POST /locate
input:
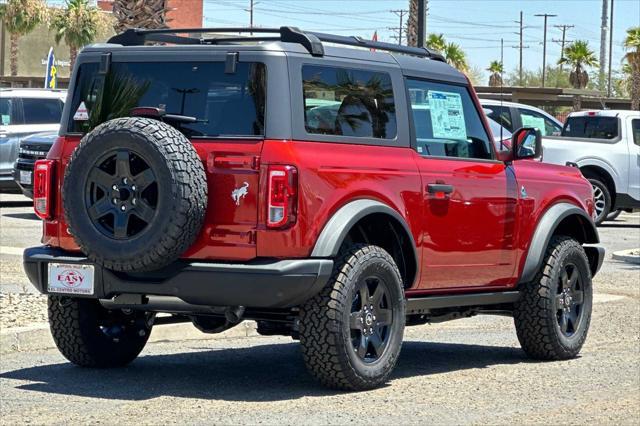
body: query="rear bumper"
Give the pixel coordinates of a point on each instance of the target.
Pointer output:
(263, 283)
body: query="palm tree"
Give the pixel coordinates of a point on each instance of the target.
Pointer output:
(632, 45)
(496, 69)
(140, 14)
(436, 42)
(412, 24)
(579, 56)
(455, 56)
(77, 24)
(20, 18)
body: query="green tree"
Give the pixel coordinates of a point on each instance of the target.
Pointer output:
(455, 56)
(20, 18)
(496, 69)
(436, 42)
(78, 24)
(632, 58)
(579, 56)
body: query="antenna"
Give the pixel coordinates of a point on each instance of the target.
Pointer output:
(501, 89)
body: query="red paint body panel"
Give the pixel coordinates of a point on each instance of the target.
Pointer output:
(474, 239)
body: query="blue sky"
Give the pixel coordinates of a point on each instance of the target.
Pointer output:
(477, 25)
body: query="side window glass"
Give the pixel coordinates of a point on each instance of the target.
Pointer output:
(540, 122)
(41, 111)
(348, 102)
(446, 121)
(635, 128)
(501, 115)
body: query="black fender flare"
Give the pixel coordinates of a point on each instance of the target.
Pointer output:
(549, 222)
(338, 226)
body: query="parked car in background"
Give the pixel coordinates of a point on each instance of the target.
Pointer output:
(24, 112)
(31, 149)
(605, 145)
(513, 115)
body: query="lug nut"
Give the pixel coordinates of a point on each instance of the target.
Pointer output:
(115, 201)
(124, 180)
(133, 201)
(123, 208)
(114, 187)
(133, 187)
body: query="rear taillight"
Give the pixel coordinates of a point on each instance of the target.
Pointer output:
(282, 197)
(42, 183)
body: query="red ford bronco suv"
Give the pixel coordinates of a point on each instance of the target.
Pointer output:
(332, 194)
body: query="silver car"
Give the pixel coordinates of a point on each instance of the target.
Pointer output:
(24, 112)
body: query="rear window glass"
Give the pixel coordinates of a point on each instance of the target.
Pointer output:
(591, 127)
(224, 104)
(41, 111)
(348, 102)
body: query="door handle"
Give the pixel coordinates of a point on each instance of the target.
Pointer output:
(435, 188)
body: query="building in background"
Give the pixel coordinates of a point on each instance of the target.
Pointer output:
(32, 65)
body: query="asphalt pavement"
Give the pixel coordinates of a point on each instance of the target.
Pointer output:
(464, 371)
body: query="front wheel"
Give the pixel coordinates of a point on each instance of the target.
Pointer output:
(601, 199)
(553, 315)
(351, 332)
(89, 335)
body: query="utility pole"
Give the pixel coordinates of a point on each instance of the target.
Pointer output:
(544, 45)
(610, 51)
(422, 22)
(603, 44)
(250, 10)
(400, 13)
(520, 46)
(562, 41)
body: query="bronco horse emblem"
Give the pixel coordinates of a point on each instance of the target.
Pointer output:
(239, 193)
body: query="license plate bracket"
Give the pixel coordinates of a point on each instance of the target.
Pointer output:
(69, 278)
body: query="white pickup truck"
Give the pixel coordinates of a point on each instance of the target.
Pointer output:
(605, 145)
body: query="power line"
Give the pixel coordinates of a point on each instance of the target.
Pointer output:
(520, 46)
(400, 13)
(544, 45)
(562, 41)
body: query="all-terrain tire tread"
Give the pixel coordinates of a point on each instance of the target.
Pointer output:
(535, 328)
(320, 319)
(189, 188)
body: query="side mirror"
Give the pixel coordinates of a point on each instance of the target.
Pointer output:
(526, 142)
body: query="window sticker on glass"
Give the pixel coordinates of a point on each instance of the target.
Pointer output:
(447, 115)
(535, 122)
(5, 119)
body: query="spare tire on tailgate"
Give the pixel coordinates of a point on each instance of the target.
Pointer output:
(134, 194)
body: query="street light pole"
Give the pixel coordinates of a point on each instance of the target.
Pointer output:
(544, 45)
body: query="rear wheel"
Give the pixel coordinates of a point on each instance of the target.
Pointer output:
(91, 336)
(351, 333)
(553, 315)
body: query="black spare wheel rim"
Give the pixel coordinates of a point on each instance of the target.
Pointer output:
(134, 194)
(370, 319)
(121, 194)
(569, 300)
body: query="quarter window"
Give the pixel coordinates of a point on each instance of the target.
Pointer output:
(635, 128)
(446, 121)
(534, 119)
(348, 102)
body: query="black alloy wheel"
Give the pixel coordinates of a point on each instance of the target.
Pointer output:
(370, 319)
(569, 300)
(121, 194)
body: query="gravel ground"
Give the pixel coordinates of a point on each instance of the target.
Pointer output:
(20, 309)
(466, 371)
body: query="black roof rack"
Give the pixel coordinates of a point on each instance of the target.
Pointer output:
(311, 41)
